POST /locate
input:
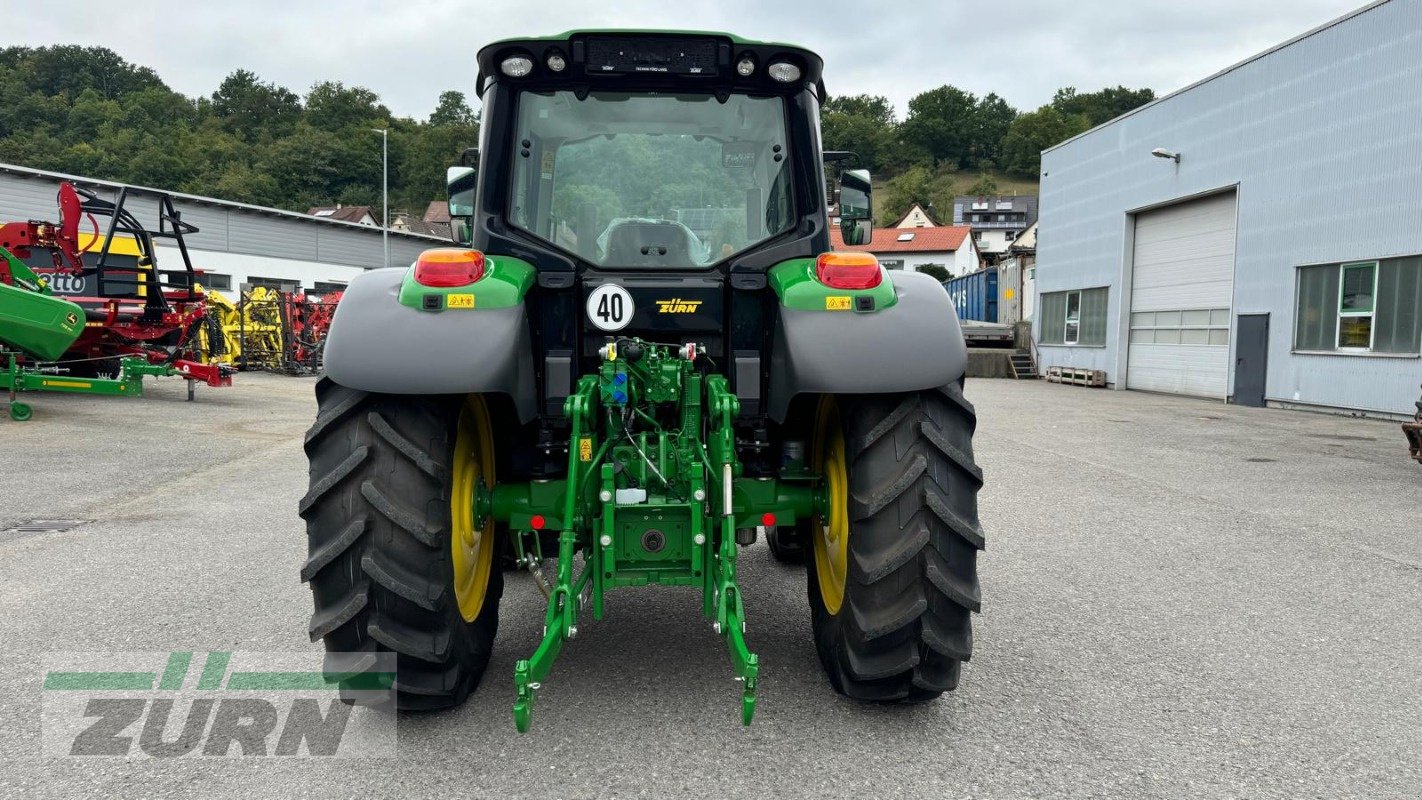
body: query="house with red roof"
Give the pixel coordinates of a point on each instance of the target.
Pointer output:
(950, 246)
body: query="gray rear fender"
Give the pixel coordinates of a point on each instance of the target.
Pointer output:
(378, 345)
(912, 345)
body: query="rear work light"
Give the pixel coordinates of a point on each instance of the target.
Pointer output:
(849, 270)
(443, 267)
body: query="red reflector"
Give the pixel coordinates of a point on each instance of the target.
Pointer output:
(443, 267)
(767, 519)
(537, 522)
(849, 270)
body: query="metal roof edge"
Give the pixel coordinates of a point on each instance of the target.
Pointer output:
(1231, 68)
(213, 201)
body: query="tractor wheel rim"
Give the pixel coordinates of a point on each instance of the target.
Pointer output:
(831, 527)
(471, 548)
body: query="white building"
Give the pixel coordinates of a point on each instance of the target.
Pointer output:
(1255, 237)
(949, 246)
(996, 220)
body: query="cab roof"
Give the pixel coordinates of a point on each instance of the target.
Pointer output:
(641, 59)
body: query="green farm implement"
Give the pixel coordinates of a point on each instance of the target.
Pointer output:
(643, 359)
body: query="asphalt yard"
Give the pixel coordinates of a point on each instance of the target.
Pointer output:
(1180, 599)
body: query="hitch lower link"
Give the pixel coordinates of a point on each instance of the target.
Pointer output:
(570, 595)
(676, 527)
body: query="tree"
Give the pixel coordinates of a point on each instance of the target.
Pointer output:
(255, 110)
(939, 272)
(1103, 106)
(991, 118)
(862, 124)
(921, 185)
(67, 70)
(452, 110)
(939, 125)
(331, 106)
(1034, 132)
(985, 186)
(871, 106)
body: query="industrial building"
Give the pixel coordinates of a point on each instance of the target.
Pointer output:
(1255, 237)
(236, 244)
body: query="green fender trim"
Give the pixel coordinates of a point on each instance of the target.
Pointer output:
(506, 280)
(796, 285)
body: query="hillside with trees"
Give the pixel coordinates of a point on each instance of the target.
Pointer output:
(87, 111)
(953, 142)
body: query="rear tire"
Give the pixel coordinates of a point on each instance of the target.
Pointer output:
(903, 625)
(380, 564)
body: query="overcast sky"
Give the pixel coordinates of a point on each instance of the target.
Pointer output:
(410, 51)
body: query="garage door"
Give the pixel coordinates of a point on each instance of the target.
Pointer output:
(1182, 283)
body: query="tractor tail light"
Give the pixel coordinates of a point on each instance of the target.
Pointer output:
(443, 267)
(849, 270)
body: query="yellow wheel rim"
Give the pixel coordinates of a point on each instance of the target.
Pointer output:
(831, 530)
(472, 551)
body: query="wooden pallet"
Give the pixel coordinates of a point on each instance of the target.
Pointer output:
(1076, 376)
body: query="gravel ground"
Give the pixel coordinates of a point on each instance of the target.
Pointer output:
(1181, 599)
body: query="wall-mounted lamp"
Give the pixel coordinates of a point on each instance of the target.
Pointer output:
(1161, 152)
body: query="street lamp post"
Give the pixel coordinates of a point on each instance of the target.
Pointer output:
(384, 190)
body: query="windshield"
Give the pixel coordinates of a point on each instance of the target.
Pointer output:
(674, 181)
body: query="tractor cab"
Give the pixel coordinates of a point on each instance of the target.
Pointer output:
(652, 180)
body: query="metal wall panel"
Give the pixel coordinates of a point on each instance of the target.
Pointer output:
(211, 224)
(1321, 138)
(252, 234)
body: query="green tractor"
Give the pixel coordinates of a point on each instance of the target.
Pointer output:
(644, 358)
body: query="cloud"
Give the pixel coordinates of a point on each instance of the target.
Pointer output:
(410, 51)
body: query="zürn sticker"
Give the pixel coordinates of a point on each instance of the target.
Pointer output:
(676, 305)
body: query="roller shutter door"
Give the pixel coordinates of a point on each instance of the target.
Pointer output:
(1182, 285)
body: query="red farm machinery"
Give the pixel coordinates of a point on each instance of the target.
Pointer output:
(91, 312)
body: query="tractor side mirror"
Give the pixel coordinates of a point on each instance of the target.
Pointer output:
(856, 207)
(461, 183)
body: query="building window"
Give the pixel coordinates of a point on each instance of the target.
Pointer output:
(891, 263)
(1201, 326)
(1360, 307)
(1358, 286)
(175, 280)
(280, 284)
(215, 280)
(1076, 317)
(329, 286)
